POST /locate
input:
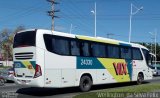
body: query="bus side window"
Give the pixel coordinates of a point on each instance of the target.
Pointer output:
(48, 40)
(60, 46)
(98, 50)
(84, 49)
(137, 55)
(75, 50)
(125, 52)
(113, 51)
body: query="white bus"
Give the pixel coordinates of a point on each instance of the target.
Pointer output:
(43, 58)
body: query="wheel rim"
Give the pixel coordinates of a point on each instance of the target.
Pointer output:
(140, 79)
(86, 84)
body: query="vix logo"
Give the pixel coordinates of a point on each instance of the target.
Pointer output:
(120, 68)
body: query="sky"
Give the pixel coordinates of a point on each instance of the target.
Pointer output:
(112, 17)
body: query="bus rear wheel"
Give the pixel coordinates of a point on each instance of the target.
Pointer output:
(140, 78)
(85, 83)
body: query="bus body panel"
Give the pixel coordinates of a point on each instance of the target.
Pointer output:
(103, 77)
(39, 38)
(65, 66)
(40, 61)
(136, 69)
(24, 67)
(68, 77)
(54, 61)
(106, 69)
(52, 78)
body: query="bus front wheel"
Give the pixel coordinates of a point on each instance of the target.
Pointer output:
(85, 83)
(140, 78)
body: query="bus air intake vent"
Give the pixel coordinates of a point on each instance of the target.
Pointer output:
(24, 55)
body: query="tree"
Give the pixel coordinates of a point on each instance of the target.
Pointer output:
(19, 28)
(4, 43)
(7, 42)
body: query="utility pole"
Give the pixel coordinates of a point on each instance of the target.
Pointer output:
(155, 34)
(52, 12)
(152, 44)
(95, 19)
(130, 19)
(155, 41)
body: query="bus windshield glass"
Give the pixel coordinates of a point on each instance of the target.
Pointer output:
(24, 39)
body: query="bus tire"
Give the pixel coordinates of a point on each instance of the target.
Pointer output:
(140, 78)
(85, 83)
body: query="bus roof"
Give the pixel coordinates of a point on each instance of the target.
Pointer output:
(89, 38)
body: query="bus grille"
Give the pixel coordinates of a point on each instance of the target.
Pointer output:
(24, 55)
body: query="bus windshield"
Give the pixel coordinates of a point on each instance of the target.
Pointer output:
(24, 39)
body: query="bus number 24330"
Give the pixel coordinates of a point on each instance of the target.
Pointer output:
(86, 62)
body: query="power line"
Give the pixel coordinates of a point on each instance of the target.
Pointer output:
(72, 9)
(81, 24)
(20, 14)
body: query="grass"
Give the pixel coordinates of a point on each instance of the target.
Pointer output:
(123, 90)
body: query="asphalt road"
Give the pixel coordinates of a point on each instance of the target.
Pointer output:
(11, 90)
